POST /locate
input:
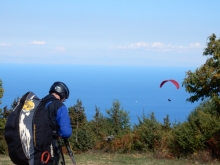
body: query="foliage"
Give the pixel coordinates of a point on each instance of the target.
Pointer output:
(101, 126)
(149, 132)
(119, 119)
(84, 141)
(166, 124)
(77, 117)
(1, 91)
(111, 131)
(204, 82)
(122, 144)
(3, 118)
(81, 138)
(185, 141)
(3, 146)
(193, 135)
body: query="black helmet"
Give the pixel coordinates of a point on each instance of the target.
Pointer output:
(61, 89)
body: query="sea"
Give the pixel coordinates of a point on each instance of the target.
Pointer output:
(137, 88)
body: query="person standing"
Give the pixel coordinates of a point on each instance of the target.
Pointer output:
(57, 116)
(35, 125)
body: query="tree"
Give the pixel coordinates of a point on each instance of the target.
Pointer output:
(3, 146)
(81, 138)
(199, 132)
(204, 82)
(149, 132)
(166, 123)
(1, 91)
(97, 121)
(77, 116)
(119, 118)
(100, 126)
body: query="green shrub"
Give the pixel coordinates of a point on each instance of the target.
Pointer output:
(149, 133)
(3, 145)
(192, 135)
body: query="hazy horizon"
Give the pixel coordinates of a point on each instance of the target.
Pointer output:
(112, 33)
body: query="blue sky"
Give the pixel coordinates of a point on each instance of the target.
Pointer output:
(107, 32)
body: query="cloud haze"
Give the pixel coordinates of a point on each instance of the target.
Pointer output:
(131, 33)
(4, 44)
(161, 47)
(38, 43)
(61, 49)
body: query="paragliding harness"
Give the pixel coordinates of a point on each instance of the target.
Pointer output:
(29, 136)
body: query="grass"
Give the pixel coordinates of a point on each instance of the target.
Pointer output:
(119, 159)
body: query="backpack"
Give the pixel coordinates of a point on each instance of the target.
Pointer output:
(28, 134)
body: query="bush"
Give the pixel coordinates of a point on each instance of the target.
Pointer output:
(3, 145)
(149, 133)
(82, 141)
(195, 134)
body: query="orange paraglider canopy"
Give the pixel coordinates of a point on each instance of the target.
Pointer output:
(173, 81)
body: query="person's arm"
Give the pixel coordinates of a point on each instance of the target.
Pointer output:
(63, 120)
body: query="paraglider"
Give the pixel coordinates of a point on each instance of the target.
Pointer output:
(173, 81)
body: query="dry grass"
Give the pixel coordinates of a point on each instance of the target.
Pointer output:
(120, 159)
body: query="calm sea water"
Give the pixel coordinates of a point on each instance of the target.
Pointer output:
(136, 88)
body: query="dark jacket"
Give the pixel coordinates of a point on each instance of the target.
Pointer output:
(58, 117)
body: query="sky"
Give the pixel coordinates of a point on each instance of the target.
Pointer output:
(107, 32)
